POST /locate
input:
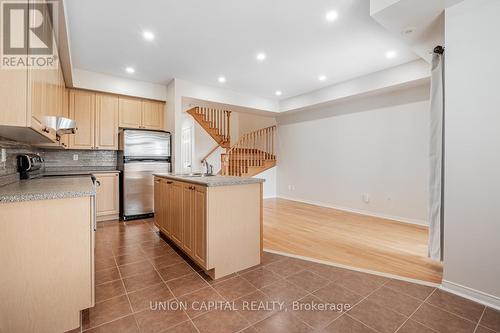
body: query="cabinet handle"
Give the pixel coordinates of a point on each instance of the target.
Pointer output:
(46, 130)
(169, 182)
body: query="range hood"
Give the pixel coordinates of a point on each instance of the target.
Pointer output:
(61, 125)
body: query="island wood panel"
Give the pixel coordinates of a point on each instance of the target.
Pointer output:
(47, 253)
(188, 219)
(199, 224)
(350, 239)
(233, 228)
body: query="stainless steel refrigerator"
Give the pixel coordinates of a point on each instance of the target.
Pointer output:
(141, 154)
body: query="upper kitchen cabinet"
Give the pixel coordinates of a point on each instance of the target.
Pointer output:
(82, 110)
(27, 95)
(130, 112)
(141, 113)
(152, 114)
(96, 115)
(106, 122)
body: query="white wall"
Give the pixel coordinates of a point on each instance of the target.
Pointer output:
(251, 122)
(269, 188)
(472, 150)
(118, 85)
(376, 145)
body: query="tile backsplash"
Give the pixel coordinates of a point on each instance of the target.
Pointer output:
(55, 160)
(8, 170)
(85, 159)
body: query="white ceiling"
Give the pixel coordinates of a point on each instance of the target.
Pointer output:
(199, 40)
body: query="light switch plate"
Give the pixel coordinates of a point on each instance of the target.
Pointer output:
(75, 157)
(3, 157)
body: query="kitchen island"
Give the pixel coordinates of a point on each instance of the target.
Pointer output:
(216, 220)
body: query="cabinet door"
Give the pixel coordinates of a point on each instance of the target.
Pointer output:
(65, 113)
(107, 199)
(176, 194)
(130, 112)
(199, 212)
(152, 115)
(166, 206)
(13, 92)
(82, 110)
(157, 203)
(187, 218)
(106, 122)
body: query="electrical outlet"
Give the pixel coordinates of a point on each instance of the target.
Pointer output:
(366, 197)
(75, 157)
(3, 157)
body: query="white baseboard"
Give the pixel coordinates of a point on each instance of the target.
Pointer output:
(471, 294)
(358, 211)
(270, 197)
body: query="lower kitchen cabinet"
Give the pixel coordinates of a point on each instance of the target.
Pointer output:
(47, 256)
(193, 222)
(107, 196)
(219, 228)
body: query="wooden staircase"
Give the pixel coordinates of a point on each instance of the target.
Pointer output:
(216, 122)
(252, 154)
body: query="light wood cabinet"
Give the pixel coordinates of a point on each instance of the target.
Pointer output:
(96, 116)
(28, 95)
(130, 112)
(106, 122)
(199, 230)
(107, 196)
(82, 110)
(152, 114)
(218, 227)
(175, 211)
(47, 268)
(188, 219)
(141, 114)
(162, 197)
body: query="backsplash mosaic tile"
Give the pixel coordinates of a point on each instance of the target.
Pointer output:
(55, 160)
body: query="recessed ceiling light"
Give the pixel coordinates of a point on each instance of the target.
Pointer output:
(390, 54)
(331, 16)
(278, 93)
(322, 77)
(148, 35)
(130, 70)
(221, 79)
(261, 56)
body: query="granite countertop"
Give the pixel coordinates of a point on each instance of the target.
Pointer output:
(212, 181)
(47, 189)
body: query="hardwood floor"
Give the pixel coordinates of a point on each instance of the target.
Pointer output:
(349, 239)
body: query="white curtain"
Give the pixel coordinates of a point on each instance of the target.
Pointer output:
(436, 159)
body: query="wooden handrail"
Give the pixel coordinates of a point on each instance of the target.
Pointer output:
(209, 153)
(215, 122)
(251, 150)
